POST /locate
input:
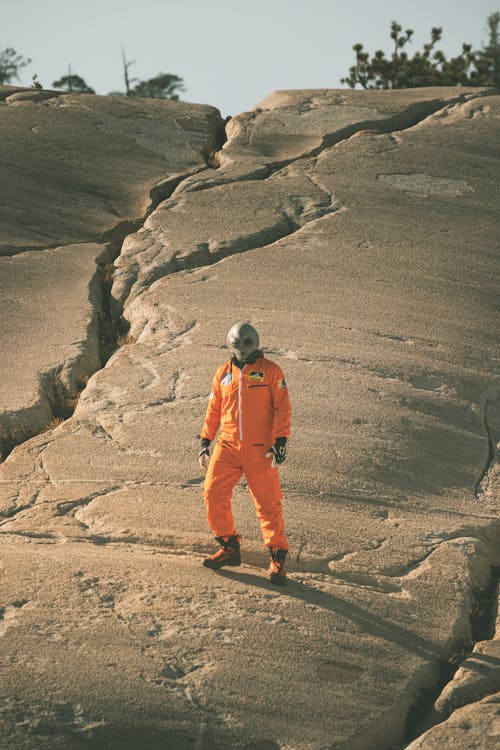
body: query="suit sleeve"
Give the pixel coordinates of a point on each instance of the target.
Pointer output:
(282, 407)
(212, 417)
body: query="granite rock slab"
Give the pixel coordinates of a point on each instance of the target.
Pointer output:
(366, 262)
(77, 171)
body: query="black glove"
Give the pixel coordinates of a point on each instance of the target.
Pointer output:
(278, 451)
(204, 452)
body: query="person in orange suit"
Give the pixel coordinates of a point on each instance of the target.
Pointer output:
(249, 403)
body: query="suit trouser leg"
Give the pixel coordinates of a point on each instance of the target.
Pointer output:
(223, 472)
(265, 489)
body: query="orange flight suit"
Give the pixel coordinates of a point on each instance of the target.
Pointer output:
(252, 408)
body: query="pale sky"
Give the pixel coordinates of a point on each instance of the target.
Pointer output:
(230, 53)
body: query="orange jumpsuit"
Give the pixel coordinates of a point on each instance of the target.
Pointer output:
(252, 408)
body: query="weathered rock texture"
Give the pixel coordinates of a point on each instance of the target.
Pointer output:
(478, 676)
(75, 169)
(358, 232)
(475, 727)
(75, 165)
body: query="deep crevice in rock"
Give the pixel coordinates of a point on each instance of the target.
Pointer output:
(110, 330)
(492, 431)
(422, 715)
(414, 115)
(202, 257)
(57, 400)
(405, 120)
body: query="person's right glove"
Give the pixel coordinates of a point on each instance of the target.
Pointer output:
(278, 451)
(204, 453)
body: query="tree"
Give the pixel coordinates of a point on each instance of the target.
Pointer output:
(162, 86)
(10, 64)
(72, 82)
(487, 60)
(427, 68)
(126, 66)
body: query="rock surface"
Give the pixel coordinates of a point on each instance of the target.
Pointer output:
(50, 345)
(477, 677)
(77, 170)
(75, 166)
(475, 727)
(358, 232)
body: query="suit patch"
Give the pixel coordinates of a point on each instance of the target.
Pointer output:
(227, 379)
(281, 383)
(254, 375)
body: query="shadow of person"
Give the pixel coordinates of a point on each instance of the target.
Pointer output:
(367, 621)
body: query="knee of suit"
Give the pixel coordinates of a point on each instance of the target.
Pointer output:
(218, 495)
(210, 495)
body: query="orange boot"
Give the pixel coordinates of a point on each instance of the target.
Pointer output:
(277, 565)
(228, 554)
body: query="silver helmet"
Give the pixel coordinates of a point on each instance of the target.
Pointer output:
(243, 341)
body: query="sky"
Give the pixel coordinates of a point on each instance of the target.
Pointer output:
(230, 53)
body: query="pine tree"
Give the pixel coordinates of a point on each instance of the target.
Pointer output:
(427, 68)
(487, 61)
(10, 64)
(162, 86)
(72, 82)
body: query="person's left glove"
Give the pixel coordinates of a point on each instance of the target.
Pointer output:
(278, 451)
(204, 453)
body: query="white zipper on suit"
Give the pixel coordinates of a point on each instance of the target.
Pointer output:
(240, 421)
